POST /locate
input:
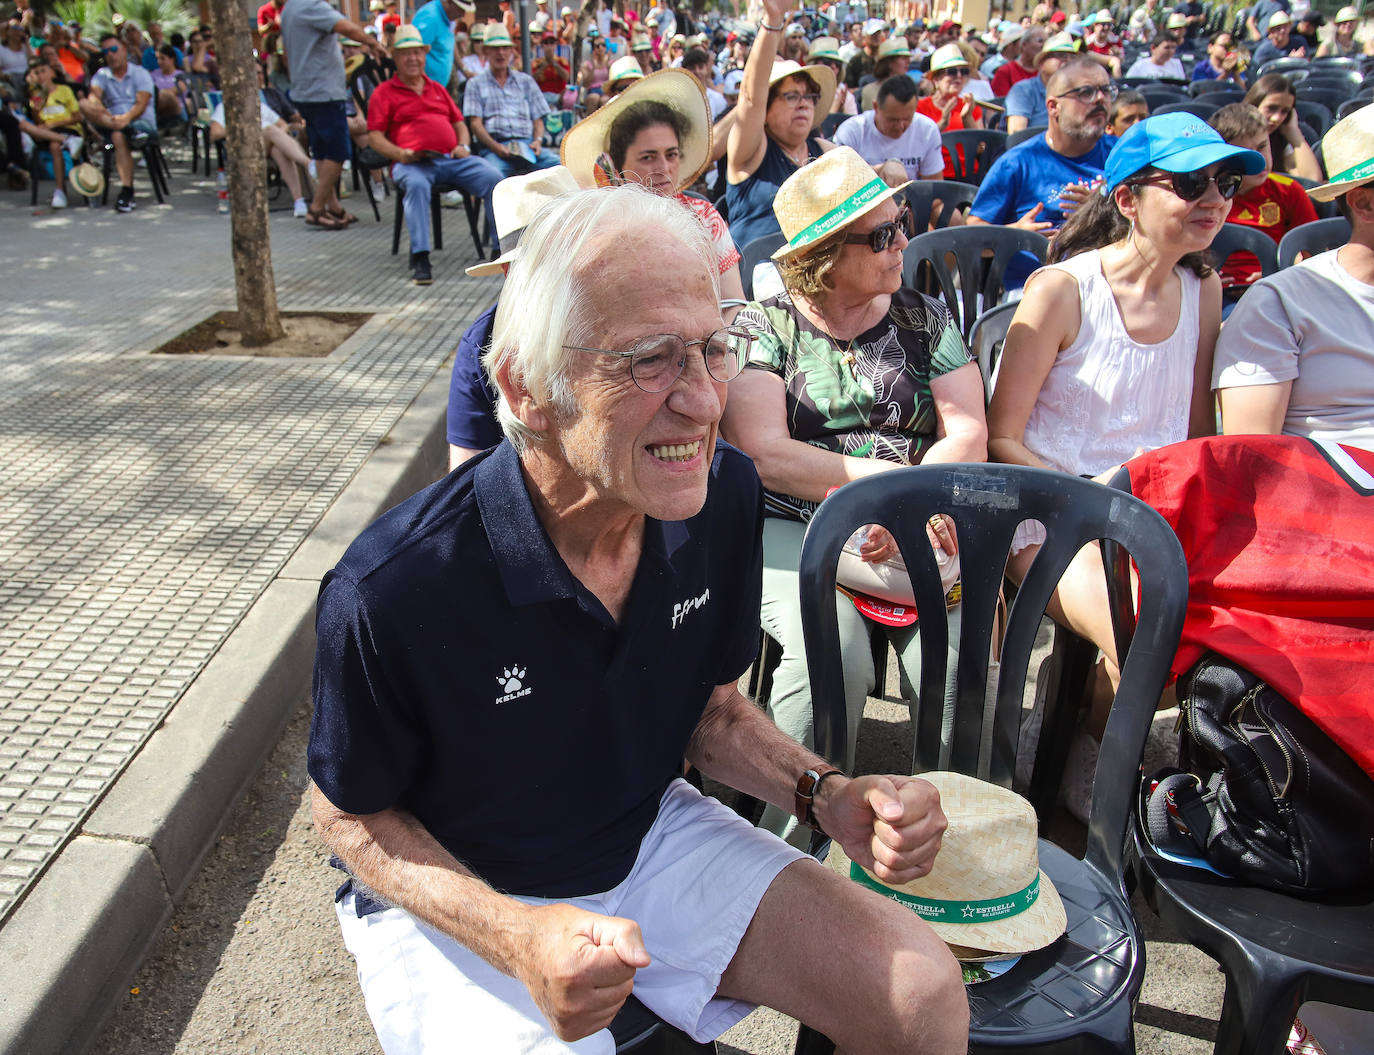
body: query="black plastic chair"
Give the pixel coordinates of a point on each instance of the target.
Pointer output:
(1289, 67)
(1203, 108)
(1017, 138)
(471, 207)
(1077, 994)
(1328, 95)
(1313, 238)
(154, 163)
(952, 194)
(981, 280)
(986, 338)
(1324, 209)
(1315, 114)
(756, 252)
(1220, 92)
(1351, 105)
(832, 122)
(1276, 951)
(972, 151)
(1337, 62)
(1158, 95)
(1238, 238)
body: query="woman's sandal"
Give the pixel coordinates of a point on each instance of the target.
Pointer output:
(324, 219)
(343, 216)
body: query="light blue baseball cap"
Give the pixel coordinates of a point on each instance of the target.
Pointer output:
(1177, 142)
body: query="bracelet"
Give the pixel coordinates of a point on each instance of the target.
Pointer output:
(775, 29)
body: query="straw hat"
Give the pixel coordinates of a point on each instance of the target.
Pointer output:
(1059, 44)
(87, 180)
(947, 57)
(1348, 150)
(1278, 18)
(1103, 17)
(408, 37)
(824, 77)
(1346, 14)
(893, 46)
(497, 37)
(1176, 21)
(515, 201)
(625, 68)
(478, 33)
(642, 43)
(824, 48)
(986, 891)
(830, 193)
(675, 88)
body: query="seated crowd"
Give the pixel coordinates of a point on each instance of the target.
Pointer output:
(587, 485)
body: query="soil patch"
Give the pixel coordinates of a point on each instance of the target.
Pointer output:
(309, 334)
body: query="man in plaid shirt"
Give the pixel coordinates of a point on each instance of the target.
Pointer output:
(505, 110)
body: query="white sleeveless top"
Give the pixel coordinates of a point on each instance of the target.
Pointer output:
(1107, 395)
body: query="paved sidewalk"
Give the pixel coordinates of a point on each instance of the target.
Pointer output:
(152, 632)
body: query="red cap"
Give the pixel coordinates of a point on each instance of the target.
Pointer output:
(1058, 16)
(949, 25)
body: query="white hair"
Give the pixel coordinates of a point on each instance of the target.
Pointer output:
(545, 303)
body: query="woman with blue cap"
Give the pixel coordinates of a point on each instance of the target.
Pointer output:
(1110, 351)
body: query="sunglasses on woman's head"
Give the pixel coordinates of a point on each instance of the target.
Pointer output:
(1191, 186)
(885, 234)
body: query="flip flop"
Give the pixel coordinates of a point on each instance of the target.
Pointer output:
(324, 220)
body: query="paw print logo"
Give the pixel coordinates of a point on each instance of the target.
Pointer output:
(509, 679)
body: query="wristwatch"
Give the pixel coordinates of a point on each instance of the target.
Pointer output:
(808, 784)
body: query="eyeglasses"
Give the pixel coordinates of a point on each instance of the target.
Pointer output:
(658, 360)
(885, 234)
(957, 71)
(793, 98)
(110, 51)
(1089, 92)
(1190, 186)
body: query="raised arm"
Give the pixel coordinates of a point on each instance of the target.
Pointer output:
(748, 140)
(1202, 413)
(579, 967)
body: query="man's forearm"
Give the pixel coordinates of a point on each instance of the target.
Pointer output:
(395, 857)
(738, 745)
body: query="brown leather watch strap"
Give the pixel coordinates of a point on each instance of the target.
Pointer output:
(808, 784)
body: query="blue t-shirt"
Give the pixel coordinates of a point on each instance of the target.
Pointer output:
(1204, 71)
(464, 675)
(1027, 99)
(1266, 52)
(471, 402)
(437, 31)
(1031, 172)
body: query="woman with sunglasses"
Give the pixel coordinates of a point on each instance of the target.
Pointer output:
(1110, 351)
(595, 72)
(951, 107)
(852, 374)
(781, 107)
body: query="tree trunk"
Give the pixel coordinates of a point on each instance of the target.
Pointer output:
(259, 319)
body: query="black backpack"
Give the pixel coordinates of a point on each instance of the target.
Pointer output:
(1265, 796)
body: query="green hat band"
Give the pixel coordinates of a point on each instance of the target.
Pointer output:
(838, 216)
(933, 910)
(1360, 171)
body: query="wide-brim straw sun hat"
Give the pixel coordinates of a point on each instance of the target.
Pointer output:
(87, 180)
(676, 89)
(948, 57)
(829, 193)
(514, 203)
(1346, 14)
(823, 76)
(986, 892)
(1348, 150)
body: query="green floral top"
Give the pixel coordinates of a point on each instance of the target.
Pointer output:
(878, 406)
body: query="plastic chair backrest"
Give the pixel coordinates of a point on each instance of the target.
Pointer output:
(972, 151)
(1221, 92)
(831, 123)
(987, 502)
(1017, 138)
(1203, 108)
(1286, 66)
(1238, 238)
(1318, 115)
(1324, 209)
(985, 341)
(1312, 238)
(1158, 95)
(952, 194)
(757, 252)
(1328, 95)
(980, 280)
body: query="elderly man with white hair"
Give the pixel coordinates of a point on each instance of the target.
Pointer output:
(513, 664)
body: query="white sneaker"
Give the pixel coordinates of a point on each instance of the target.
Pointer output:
(59, 200)
(73, 145)
(302, 208)
(451, 199)
(379, 189)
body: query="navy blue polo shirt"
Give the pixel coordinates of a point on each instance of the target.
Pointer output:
(471, 400)
(464, 675)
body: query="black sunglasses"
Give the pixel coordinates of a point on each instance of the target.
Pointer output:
(1190, 186)
(885, 234)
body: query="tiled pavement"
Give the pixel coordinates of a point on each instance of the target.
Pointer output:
(146, 502)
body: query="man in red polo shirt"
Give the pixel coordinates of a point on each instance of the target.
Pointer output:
(1023, 66)
(414, 122)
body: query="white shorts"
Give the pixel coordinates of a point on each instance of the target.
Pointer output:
(699, 877)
